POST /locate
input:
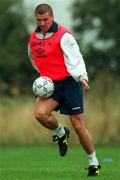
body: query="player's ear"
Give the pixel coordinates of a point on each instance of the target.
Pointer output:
(52, 17)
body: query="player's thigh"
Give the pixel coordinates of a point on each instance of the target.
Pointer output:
(45, 106)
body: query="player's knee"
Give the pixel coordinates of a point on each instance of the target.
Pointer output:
(77, 124)
(78, 127)
(40, 115)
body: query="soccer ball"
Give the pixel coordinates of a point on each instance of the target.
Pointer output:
(43, 87)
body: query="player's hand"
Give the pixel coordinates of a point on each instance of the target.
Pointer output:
(85, 84)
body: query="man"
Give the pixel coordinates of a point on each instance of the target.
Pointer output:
(54, 52)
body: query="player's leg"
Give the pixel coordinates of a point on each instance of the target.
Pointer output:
(43, 113)
(82, 132)
(87, 143)
(43, 110)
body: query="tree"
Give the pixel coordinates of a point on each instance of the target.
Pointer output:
(15, 69)
(97, 27)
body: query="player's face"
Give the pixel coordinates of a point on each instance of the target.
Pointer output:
(44, 21)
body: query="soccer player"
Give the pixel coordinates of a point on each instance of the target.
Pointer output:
(54, 52)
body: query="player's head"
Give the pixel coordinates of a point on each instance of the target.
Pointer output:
(44, 8)
(44, 16)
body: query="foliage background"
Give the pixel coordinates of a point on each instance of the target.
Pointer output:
(16, 73)
(98, 32)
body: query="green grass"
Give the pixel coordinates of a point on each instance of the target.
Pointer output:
(44, 163)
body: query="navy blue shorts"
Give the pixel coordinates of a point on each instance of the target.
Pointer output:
(69, 94)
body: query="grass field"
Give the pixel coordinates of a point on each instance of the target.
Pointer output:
(44, 163)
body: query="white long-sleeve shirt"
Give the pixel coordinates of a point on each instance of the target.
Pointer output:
(72, 57)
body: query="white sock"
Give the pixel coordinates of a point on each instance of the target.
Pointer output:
(93, 159)
(60, 131)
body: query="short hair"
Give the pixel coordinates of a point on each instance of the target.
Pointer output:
(43, 8)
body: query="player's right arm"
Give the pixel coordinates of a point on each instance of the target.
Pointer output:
(31, 58)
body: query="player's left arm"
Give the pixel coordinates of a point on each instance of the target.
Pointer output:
(85, 84)
(73, 59)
